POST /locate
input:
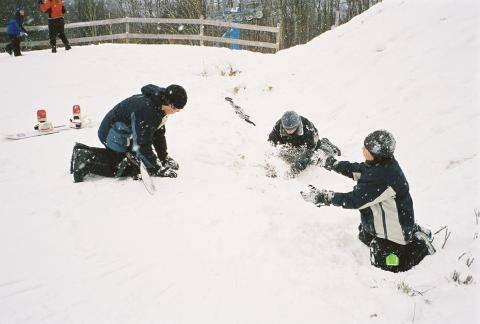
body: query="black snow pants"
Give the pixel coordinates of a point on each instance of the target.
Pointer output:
(393, 257)
(56, 27)
(100, 161)
(14, 45)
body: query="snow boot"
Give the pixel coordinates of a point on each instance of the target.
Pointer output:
(79, 165)
(425, 236)
(364, 237)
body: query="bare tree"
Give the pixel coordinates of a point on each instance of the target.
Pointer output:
(299, 20)
(89, 10)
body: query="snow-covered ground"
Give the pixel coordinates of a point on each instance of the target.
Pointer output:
(222, 243)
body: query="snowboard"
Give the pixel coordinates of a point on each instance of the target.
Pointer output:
(44, 127)
(239, 111)
(146, 179)
(34, 133)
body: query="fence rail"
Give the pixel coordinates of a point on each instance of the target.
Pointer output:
(127, 35)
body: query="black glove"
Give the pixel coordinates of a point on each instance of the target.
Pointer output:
(324, 160)
(170, 163)
(300, 165)
(320, 197)
(329, 148)
(337, 150)
(329, 163)
(165, 173)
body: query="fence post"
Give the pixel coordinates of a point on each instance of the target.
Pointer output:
(279, 37)
(110, 24)
(127, 30)
(201, 31)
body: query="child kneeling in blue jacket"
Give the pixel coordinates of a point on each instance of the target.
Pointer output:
(386, 207)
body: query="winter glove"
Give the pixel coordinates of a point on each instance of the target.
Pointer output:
(170, 163)
(165, 173)
(23, 34)
(330, 149)
(300, 164)
(330, 163)
(324, 160)
(320, 197)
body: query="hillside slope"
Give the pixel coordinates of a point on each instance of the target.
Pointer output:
(222, 243)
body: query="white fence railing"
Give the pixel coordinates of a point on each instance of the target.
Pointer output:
(127, 35)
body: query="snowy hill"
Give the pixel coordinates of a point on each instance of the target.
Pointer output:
(222, 243)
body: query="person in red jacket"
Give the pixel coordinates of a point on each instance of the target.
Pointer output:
(56, 25)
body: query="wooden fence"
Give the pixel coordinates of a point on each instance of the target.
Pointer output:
(126, 34)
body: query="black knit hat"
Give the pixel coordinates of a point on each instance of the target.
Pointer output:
(176, 95)
(381, 144)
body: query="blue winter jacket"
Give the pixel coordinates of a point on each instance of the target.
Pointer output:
(382, 196)
(136, 124)
(15, 26)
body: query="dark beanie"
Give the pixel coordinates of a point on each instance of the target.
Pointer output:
(381, 144)
(176, 95)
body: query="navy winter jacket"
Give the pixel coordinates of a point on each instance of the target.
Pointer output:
(142, 120)
(382, 196)
(15, 26)
(306, 135)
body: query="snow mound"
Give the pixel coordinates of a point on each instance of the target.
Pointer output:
(223, 243)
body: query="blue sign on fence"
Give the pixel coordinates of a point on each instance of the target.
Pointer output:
(233, 33)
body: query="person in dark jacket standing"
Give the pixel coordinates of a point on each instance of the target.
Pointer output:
(56, 24)
(16, 32)
(386, 207)
(298, 140)
(135, 125)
